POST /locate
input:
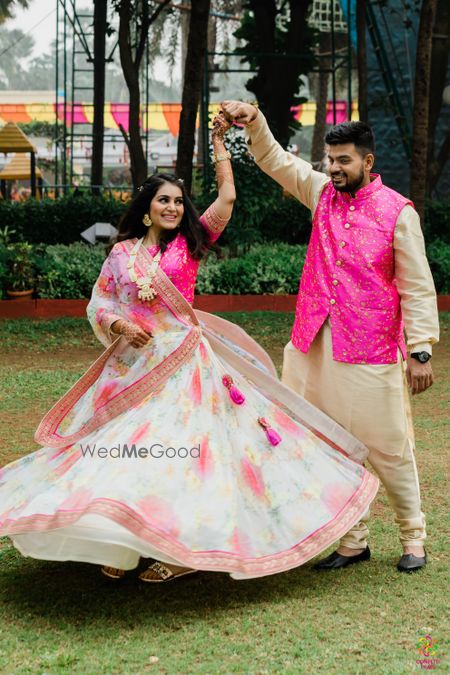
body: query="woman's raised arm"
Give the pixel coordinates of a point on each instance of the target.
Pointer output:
(224, 172)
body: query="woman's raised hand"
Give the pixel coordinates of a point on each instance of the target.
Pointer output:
(220, 126)
(240, 112)
(134, 334)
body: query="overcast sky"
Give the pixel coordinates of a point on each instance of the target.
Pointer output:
(42, 12)
(39, 21)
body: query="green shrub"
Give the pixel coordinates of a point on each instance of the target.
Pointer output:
(59, 221)
(257, 196)
(437, 221)
(3, 270)
(71, 271)
(289, 222)
(438, 253)
(274, 268)
(68, 271)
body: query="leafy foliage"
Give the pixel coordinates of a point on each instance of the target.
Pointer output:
(266, 268)
(58, 221)
(279, 47)
(258, 196)
(68, 271)
(439, 258)
(437, 220)
(40, 128)
(20, 266)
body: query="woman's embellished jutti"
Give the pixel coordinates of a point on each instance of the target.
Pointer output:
(188, 450)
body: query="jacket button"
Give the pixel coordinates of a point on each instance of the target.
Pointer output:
(332, 301)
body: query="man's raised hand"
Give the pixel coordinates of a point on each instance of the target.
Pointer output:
(239, 112)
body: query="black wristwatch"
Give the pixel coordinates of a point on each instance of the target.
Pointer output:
(422, 357)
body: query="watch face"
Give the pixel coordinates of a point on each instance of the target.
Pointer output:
(423, 357)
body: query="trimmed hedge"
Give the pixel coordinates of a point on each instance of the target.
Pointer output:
(438, 253)
(261, 214)
(71, 271)
(68, 271)
(59, 221)
(274, 268)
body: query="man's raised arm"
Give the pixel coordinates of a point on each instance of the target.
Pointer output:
(293, 173)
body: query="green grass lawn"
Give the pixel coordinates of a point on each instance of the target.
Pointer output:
(67, 618)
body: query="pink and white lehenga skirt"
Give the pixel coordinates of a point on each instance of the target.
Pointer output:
(154, 453)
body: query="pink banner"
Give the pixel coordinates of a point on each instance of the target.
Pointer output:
(305, 115)
(78, 114)
(119, 112)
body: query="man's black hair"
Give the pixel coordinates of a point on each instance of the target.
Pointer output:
(358, 133)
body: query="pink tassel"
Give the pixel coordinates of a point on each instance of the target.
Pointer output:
(235, 395)
(272, 436)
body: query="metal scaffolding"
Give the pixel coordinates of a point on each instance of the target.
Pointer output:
(326, 16)
(74, 37)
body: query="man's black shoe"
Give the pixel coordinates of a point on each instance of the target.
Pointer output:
(411, 563)
(335, 560)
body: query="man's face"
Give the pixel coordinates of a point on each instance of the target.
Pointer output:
(347, 168)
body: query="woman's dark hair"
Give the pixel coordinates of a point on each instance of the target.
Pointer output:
(358, 133)
(131, 224)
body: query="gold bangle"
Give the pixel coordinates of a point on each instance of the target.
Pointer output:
(222, 157)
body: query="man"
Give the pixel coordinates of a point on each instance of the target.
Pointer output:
(365, 277)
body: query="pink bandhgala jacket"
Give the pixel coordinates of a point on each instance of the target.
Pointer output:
(349, 276)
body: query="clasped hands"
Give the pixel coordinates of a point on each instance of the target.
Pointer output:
(133, 334)
(237, 111)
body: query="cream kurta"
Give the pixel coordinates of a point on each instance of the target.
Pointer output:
(370, 401)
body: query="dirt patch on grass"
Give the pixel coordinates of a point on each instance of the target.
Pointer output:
(51, 360)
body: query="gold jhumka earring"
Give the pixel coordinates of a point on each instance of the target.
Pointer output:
(147, 221)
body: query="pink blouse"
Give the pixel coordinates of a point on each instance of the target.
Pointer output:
(114, 291)
(177, 262)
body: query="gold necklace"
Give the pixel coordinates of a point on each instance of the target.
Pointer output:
(146, 291)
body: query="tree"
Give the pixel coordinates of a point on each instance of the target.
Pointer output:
(7, 9)
(98, 127)
(193, 72)
(321, 96)
(15, 50)
(277, 32)
(437, 158)
(361, 57)
(135, 20)
(419, 155)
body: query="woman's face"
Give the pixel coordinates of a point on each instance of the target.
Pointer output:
(166, 207)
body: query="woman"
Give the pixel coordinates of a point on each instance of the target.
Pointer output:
(179, 443)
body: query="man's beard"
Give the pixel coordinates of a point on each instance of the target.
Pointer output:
(350, 186)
